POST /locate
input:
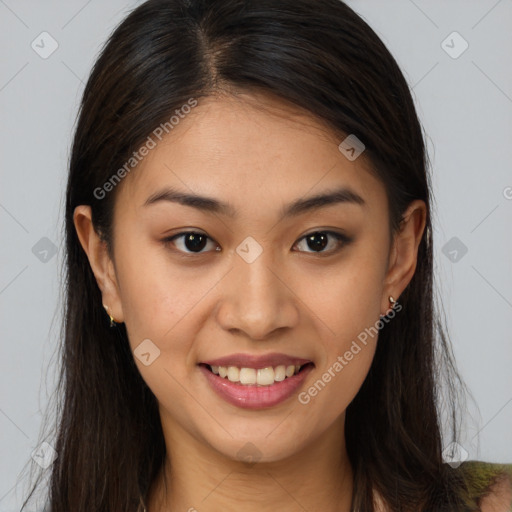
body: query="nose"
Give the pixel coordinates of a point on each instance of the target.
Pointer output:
(257, 300)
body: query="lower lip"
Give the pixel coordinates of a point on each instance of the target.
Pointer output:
(252, 396)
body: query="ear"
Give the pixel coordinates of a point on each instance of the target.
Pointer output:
(101, 264)
(404, 252)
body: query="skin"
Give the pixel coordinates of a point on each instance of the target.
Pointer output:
(290, 299)
(499, 498)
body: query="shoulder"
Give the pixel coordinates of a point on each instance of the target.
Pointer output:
(489, 484)
(499, 498)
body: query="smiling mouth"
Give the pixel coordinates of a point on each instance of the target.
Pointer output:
(256, 377)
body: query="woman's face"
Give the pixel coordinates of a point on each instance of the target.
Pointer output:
(252, 282)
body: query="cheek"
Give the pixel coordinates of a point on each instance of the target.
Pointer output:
(165, 303)
(143, 289)
(345, 354)
(334, 387)
(345, 299)
(154, 293)
(346, 304)
(159, 307)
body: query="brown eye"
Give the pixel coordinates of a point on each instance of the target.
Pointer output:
(190, 242)
(319, 240)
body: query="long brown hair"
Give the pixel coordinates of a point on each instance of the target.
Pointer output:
(322, 57)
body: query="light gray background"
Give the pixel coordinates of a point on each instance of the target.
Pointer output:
(465, 105)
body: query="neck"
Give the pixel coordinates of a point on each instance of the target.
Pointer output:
(200, 478)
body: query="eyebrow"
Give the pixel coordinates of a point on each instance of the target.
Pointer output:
(343, 195)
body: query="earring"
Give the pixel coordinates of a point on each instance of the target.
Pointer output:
(392, 301)
(112, 321)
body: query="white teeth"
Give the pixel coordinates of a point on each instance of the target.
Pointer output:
(265, 376)
(247, 376)
(280, 373)
(233, 374)
(262, 376)
(290, 370)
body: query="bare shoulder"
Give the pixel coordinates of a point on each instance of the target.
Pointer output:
(499, 498)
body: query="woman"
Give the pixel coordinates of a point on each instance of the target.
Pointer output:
(250, 320)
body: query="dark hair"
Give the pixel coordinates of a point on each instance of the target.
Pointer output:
(323, 58)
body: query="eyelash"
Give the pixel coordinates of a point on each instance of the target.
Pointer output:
(342, 240)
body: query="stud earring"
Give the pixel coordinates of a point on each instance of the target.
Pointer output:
(392, 301)
(112, 321)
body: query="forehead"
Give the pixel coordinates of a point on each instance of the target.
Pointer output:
(246, 149)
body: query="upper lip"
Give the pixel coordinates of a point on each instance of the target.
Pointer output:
(257, 362)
